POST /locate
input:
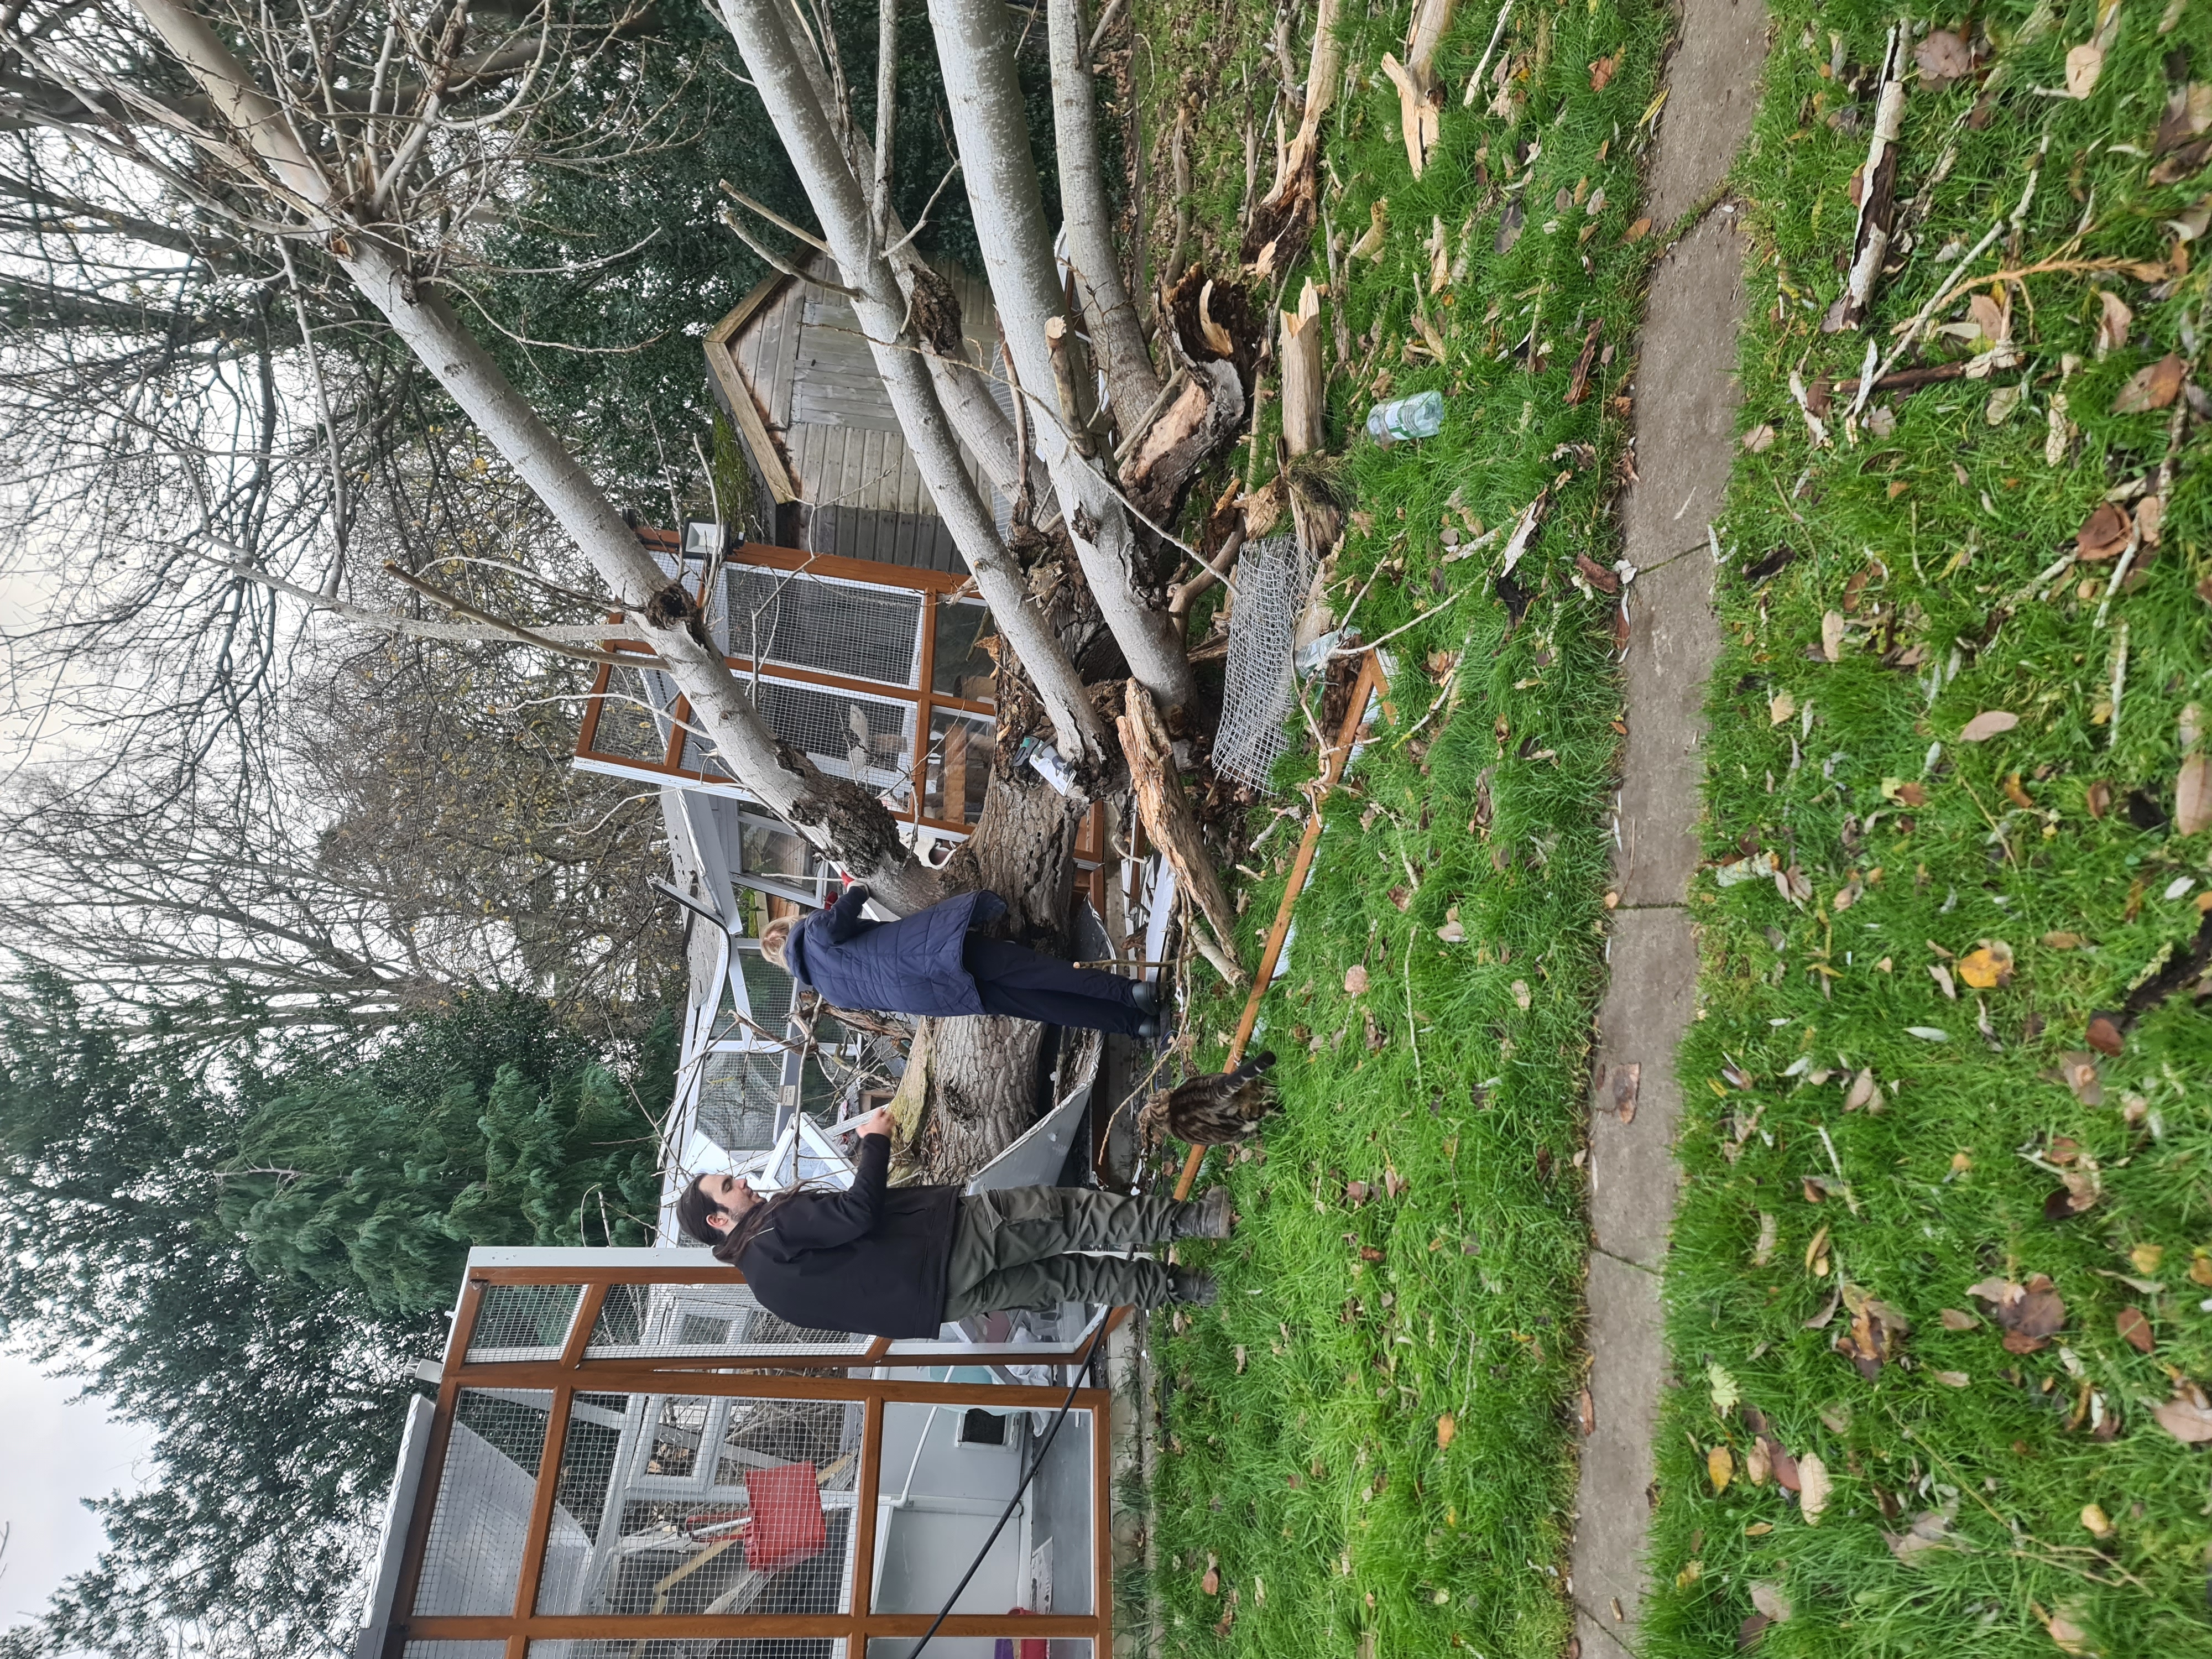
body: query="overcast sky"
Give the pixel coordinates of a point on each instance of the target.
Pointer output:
(53, 1454)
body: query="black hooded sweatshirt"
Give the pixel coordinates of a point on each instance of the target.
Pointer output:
(871, 1259)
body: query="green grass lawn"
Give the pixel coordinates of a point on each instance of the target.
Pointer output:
(1372, 1437)
(1964, 1156)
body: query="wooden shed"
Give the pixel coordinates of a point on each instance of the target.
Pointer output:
(793, 372)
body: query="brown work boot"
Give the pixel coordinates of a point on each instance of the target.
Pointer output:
(1208, 1218)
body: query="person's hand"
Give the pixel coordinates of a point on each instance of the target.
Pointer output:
(877, 1122)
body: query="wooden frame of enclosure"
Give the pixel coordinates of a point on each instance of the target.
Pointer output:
(758, 1376)
(931, 586)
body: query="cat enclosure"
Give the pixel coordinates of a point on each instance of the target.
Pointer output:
(628, 1458)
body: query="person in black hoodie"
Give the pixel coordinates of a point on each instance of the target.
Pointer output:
(883, 1261)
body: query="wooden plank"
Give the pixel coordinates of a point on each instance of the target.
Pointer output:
(750, 428)
(587, 1316)
(434, 1466)
(541, 1505)
(756, 296)
(868, 1490)
(643, 1376)
(669, 1627)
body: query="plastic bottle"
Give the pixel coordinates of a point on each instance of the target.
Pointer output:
(1421, 415)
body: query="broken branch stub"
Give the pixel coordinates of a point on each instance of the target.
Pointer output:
(1173, 827)
(1877, 198)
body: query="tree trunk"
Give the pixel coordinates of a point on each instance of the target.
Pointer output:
(845, 821)
(843, 210)
(975, 57)
(1116, 336)
(983, 1073)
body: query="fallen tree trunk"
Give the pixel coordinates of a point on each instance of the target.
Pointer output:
(845, 821)
(1116, 339)
(1174, 829)
(989, 125)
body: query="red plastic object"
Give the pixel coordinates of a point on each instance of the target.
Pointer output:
(1028, 1647)
(787, 1526)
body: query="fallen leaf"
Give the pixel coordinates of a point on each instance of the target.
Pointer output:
(2134, 1330)
(1625, 1081)
(2114, 325)
(2096, 799)
(1725, 1393)
(2102, 1034)
(2079, 1070)
(1602, 71)
(2030, 1314)
(1815, 1251)
(1928, 1530)
(1781, 708)
(2188, 1416)
(1587, 1409)
(1355, 979)
(1757, 1467)
(2016, 792)
(1212, 1583)
(1447, 1426)
(2153, 387)
(1521, 995)
(1720, 1469)
(2084, 63)
(2192, 795)
(1819, 1320)
(2063, 941)
(1765, 1252)
(1989, 968)
(1813, 1488)
(2104, 533)
(1770, 1600)
(1928, 1033)
(1861, 1090)
(2095, 1522)
(1637, 232)
(1944, 58)
(1987, 725)
(2064, 1625)
(1954, 1319)
(1952, 1379)
(1832, 636)
(1941, 976)
(1784, 1465)
(1759, 439)
(2145, 1257)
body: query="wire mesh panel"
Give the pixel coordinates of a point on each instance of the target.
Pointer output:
(643, 1322)
(523, 1321)
(737, 1096)
(454, 1650)
(831, 626)
(697, 1506)
(857, 736)
(980, 1646)
(1271, 578)
(474, 1551)
(633, 716)
(718, 1647)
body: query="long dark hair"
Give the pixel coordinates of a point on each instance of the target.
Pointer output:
(693, 1208)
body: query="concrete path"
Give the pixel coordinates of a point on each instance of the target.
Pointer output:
(1685, 402)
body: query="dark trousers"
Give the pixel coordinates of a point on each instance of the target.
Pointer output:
(1022, 985)
(1011, 1248)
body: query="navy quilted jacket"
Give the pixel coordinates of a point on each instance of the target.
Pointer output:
(911, 966)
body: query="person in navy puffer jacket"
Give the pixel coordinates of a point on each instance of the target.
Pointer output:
(934, 963)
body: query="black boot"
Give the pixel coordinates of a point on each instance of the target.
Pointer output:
(1186, 1285)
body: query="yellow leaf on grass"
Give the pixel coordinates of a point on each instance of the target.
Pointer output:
(1447, 1426)
(1781, 708)
(2146, 1257)
(1720, 1468)
(1989, 967)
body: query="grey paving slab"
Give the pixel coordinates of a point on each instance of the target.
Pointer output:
(1673, 637)
(1686, 392)
(1613, 1507)
(1649, 1003)
(1713, 89)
